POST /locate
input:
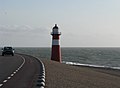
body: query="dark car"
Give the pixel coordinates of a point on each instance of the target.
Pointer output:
(8, 51)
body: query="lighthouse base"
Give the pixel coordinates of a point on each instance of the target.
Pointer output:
(56, 53)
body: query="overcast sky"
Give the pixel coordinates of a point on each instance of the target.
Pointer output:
(83, 23)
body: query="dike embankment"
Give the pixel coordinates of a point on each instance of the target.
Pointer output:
(59, 75)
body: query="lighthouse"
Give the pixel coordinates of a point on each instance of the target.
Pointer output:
(56, 51)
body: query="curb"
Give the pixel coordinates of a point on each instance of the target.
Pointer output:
(41, 77)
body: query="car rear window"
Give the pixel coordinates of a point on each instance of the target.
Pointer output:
(7, 48)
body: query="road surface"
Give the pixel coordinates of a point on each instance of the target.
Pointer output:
(19, 71)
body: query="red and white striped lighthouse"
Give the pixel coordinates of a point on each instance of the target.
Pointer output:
(56, 51)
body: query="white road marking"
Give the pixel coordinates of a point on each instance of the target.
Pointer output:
(5, 81)
(23, 62)
(9, 78)
(12, 75)
(1, 85)
(18, 69)
(15, 70)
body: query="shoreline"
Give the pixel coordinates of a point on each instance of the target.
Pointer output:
(92, 66)
(59, 75)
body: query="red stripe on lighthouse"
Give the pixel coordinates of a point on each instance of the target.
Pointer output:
(56, 36)
(56, 51)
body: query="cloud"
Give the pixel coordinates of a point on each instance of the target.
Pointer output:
(22, 29)
(24, 35)
(13, 28)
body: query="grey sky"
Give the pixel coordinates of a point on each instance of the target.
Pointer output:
(91, 23)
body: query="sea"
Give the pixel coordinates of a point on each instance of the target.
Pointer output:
(95, 57)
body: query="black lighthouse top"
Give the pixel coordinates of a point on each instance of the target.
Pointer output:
(55, 27)
(55, 30)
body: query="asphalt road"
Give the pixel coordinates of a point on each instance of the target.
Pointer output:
(19, 71)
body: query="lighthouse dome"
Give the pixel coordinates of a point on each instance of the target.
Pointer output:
(55, 27)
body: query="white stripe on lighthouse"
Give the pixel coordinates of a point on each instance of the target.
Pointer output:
(55, 42)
